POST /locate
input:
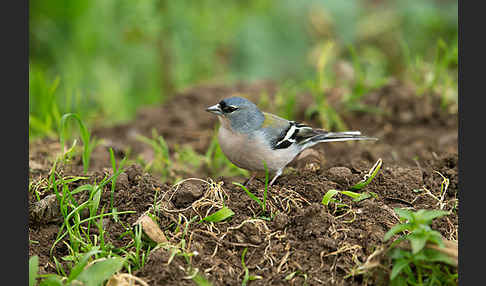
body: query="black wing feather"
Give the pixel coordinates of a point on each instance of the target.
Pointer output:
(294, 133)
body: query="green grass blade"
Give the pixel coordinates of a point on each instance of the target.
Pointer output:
(85, 136)
(353, 195)
(250, 194)
(64, 119)
(220, 215)
(328, 196)
(265, 192)
(114, 213)
(113, 181)
(368, 177)
(357, 197)
(246, 278)
(112, 159)
(95, 198)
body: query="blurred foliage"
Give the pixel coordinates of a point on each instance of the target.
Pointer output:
(104, 58)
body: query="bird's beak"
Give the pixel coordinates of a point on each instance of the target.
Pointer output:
(215, 109)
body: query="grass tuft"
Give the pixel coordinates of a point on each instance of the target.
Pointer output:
(88, 143)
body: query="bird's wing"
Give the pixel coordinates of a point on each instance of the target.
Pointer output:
(283, 133)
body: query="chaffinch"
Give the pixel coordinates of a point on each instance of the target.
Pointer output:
(251, 139)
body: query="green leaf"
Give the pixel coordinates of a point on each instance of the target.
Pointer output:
(399, 254)
(429, 215)
(434, 255)
(398, 266)
(100, 271)
(363, 196)
(368, 177)
(417, 241)
(51, 281)
(419, 257)
(200, 280)
(33, 268)
(358, 197)
(328, 196)
(394, 230)
(353, 195)
(404, 214)
(436, 237)
(399, 281)
(78, 268)
(220, 215)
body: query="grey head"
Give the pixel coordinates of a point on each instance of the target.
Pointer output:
(242, 114)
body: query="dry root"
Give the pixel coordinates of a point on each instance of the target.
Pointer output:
(125, 279)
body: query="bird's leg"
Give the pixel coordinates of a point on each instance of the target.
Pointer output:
(247, 182)
(277, 174)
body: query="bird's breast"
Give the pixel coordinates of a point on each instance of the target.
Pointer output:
(250, 151)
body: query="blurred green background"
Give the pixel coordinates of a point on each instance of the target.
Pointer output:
(105, 58)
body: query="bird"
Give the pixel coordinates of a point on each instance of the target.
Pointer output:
(260, 141)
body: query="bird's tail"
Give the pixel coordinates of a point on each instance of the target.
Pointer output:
(335, 136)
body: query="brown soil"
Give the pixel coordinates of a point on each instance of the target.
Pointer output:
(417, 141)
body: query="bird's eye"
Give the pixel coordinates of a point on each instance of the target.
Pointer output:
(229, 108)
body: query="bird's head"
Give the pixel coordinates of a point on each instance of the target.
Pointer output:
(238, 113)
